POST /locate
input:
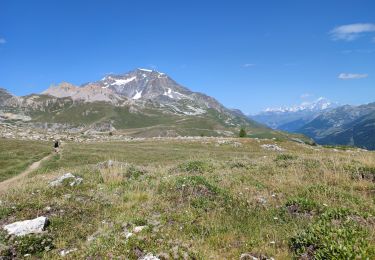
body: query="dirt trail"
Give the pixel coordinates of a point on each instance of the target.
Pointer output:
(9, 183)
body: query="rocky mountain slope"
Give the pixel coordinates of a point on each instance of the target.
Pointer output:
(292, 118)
(141, 103)
(345, 125)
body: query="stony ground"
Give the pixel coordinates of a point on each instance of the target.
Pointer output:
(204, 198)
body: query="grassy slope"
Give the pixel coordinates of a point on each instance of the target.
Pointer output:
(224, 201)
(16, 156)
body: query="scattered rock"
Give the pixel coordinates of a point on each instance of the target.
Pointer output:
(248, 256)
(138, 229)
(149, 257)
(65, 252)
(272, 147)
(59, 181)
(25, 227)
(262, 200)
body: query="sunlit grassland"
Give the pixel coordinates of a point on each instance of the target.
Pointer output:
(17, 155)
(202, 199)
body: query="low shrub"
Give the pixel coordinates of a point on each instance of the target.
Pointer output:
(302, 206)
(285, 157)
(32, 244)
(195, 167)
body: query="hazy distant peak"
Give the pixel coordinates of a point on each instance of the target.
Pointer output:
(321, 103)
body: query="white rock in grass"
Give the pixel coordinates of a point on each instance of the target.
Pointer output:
(128, 235)
(248, 256)
(26, 227)
(149, 257)
(65, 252)
(66, 176)
(76, 181)
(138, 229)
(272, 147)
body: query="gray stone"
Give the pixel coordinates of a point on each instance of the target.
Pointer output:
(26, 227)
(74, 180)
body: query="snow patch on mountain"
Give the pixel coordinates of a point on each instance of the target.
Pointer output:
(138, 95)
(147, 70)
(168, 93)
(120, 82)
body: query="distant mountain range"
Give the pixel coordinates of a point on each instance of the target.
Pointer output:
(139, 103)
(345, 125)
(325, 122)
(292, 118)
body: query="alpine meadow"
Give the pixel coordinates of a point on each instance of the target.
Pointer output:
(187, 130)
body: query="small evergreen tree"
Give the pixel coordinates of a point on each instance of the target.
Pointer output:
(242, 133)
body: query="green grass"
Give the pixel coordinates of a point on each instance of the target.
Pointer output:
(16, 155)
(200, 199)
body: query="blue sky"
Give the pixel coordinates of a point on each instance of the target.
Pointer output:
(248, 54)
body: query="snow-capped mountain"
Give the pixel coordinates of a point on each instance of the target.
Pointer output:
(136, 88)
(144, 84)
(317, 105)
(293, 117)
(148, 101)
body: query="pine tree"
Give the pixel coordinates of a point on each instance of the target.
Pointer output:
(242, 133)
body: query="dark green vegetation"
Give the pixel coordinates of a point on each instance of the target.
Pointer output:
(200, 199)
(242, 132)
(17, 155)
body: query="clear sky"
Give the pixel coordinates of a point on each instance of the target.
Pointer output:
(248, 54)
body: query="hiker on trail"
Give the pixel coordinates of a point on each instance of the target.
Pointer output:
(56, 146)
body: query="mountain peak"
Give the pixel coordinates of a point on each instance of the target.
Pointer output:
(319, 104)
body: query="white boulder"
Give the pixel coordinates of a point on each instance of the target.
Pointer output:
(26, 227)
(74, 180)
(149, 257)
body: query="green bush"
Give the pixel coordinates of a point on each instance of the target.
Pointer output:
(133, 172)
(195, 182)
(285, 157)
(195, 167)
(302, 205)
(238, 165)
